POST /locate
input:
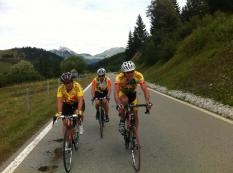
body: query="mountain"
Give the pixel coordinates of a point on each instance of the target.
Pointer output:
(110, 52)
(63, 52)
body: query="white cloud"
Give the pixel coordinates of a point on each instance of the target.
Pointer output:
(89, 26)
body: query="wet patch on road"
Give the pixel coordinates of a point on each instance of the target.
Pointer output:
(58, 140)
(57, 154)
(47, 168)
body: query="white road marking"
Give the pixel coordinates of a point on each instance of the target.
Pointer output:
(195, 107)
(19, 159)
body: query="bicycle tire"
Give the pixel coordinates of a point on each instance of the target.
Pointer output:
(135, 150)
(101, 122)
(67, 151)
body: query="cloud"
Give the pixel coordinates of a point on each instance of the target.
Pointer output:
(89, 26)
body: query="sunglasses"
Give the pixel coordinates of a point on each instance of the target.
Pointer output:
(129, 72)
(66, 83)
(101, 75)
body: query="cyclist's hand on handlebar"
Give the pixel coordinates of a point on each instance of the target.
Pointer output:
(79, 113)
(119, 107)
(58, 114)
(108, 98)
(149, 105)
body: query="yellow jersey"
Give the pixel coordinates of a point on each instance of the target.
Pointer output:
(71, 96)
(128, 87)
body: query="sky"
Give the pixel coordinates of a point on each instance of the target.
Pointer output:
(84, 26)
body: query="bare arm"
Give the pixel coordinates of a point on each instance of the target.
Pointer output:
(116, 93)
(59, 104)
(146, 92)
(80, 103)
(93, 89)
(109, 88)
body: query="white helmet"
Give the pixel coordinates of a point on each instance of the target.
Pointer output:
(128, 66)
(101, 71)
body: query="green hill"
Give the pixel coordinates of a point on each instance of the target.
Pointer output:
(110, 64)
(46, 63)
(203, 62)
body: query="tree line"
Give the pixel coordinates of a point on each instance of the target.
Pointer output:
(169, 25)
(31, 64)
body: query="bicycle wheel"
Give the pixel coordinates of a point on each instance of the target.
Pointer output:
(101, 122)
(67, 151)
(135, 150)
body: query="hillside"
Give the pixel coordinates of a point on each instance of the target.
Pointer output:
(45, 62)
(203, 62)
(110, 64)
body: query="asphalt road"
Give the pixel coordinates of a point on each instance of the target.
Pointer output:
(175, 138)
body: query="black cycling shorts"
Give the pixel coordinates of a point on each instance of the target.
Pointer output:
(68, 109)
(131, 97)
(101, 94)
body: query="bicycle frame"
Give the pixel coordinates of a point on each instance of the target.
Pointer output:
(101, 114)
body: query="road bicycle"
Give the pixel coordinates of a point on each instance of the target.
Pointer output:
(71, 138)
(131, 137)
(101, 114)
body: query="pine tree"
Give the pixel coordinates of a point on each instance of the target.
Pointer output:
(222, 5)
(194, 8)
(163, 16)
(129, 48)
(176, 6)
(140, 30)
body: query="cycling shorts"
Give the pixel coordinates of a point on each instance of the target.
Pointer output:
(132, 97)
(69, 108)
(101, 94)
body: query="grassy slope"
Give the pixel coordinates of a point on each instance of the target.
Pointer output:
(16, 122)
(203, 64)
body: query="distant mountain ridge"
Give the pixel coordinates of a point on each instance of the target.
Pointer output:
(63, 52)
(66, 52)
(110, 52)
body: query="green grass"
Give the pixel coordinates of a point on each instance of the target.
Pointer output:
(203, 63)
(17, 122)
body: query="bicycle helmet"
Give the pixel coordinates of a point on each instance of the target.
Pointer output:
(128, 66)
(101, 71)
(66, 77)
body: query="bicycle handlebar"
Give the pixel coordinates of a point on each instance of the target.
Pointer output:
(139, 105)
(64, 116)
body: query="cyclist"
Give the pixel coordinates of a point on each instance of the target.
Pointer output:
(101, 87)
(70, 98)
(125, 91)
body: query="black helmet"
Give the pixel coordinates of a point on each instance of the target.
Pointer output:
(66, 77)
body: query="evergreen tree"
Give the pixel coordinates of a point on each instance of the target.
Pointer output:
(163, 16)
(165, 22)
(194, 8)
(222, 5)
(176, 6)
(137, 39)
(129, 48)
(140, 30)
